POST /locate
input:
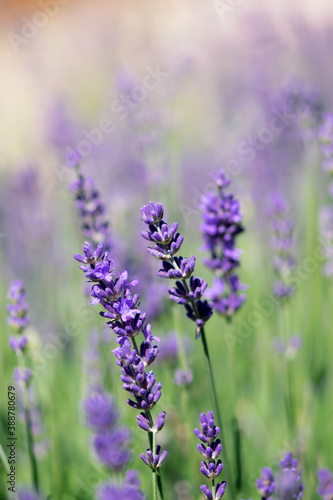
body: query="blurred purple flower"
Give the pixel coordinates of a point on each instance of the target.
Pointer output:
(325, 484)
(222, 223)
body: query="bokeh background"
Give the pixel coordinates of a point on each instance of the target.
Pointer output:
(223, 79)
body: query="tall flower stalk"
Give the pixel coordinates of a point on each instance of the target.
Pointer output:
(283, 288)
(222, 223)
(210, 449)
(89, 204)
(221, 226)
(188, 290)
(127, 321)
(18, 320)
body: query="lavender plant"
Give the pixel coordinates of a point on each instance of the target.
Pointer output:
(130, 490)
(111, 440)
(326, 238)
(283, 289)
(188, 290)
(282, 246)
(305, 103)
(210, 449)
(222, 223)
(325, 486)
(18, 320)
(127, 321)
(266, 483)
(289, 480)
(288, 484)
(325, 137)
(90, 206)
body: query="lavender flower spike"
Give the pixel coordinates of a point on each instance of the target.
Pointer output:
(18, 320)
(266, 483)
(210, 449)
(90, 206)
(188, 289)
(289, 482)
(222, 223)
(154, 461)
(282, 244)
(167, 242)
(121, 309)
(325, 486)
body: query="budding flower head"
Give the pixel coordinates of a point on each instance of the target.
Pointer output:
(266, 483)
(73, 158)
(152, 213)
(325, 486)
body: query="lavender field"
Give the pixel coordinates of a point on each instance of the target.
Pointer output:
(166, 242)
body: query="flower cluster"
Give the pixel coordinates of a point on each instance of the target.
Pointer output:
(130, 490)
(305, 103)
(188, 290)
(325, 486)
(89, 204)
(111, 442)
(18, 320)
(266, 483)
(282, 245)
(18, 314)
(326, 238)
(222, 223)
(127, 321)
(288, 483)
(288, 349)
(210, 448)
(326, 144)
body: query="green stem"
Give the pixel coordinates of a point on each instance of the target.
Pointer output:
(30, 439)
(216, 407)
(289, 380)
(212, 387)
(153, 471)
(213, 489)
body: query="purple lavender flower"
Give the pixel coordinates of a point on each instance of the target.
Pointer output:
(89, 204)
(22, 375)
(326, 238)
(167, 242)
(305, 103)
(101, 412)
(222, 224)
(17, 307)
(154, 461)
(210, 449)
(28, 495)
(266, 483)
(183, 377)
(325, 137)
(288, 484)
(112, 448)
(130, 490)
(289, 351)
(18, 320)
(325, 486)
(115, 492)
(127, 321)
(18, 343)
(282, 244)
(169, 348)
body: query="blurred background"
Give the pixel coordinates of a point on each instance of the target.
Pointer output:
(156, 95)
